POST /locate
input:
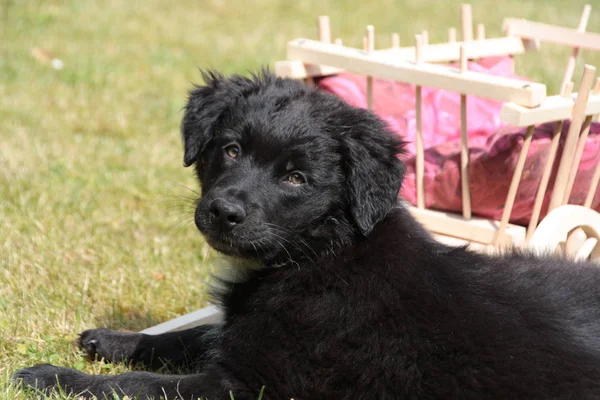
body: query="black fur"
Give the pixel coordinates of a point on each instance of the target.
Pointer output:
(338, 293)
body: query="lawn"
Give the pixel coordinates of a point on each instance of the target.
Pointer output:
(96, 210)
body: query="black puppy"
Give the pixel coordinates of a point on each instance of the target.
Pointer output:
(338, 293)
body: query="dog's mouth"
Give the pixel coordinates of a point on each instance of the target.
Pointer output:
(268, 243)
(244, 243)
(259, 246)
(232, 246)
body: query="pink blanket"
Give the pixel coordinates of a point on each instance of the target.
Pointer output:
(494, 146)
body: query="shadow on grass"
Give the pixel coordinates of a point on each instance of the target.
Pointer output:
(121, 318)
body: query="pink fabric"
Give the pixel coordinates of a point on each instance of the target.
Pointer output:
(491, 168)
(494, 147)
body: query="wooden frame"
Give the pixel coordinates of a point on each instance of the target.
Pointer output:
(553, 108)
(432, 53)
(550, 33)
(431, 75)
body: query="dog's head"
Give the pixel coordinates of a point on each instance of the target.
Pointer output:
(286, 170)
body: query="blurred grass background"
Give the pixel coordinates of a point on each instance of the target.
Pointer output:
(96, 211)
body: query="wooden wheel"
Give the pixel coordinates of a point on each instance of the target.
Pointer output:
(570, 230)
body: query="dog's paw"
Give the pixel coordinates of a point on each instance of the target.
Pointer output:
(112, 346)
(41, 378)
(91, 340)
(45, 378)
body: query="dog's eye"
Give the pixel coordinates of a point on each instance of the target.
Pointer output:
(296, 178)
(232, 150)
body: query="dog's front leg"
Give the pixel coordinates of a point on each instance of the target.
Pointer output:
(136, 385)
(174, 349)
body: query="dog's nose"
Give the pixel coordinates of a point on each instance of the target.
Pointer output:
(226, 214)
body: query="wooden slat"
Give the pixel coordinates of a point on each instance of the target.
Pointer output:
(552, 33)
(593, 187)
(448, 52)
(480, 32)
(466, 21)
(395, 41)
(577, 238)
(324, 29)
(425, 35)
(583, 21)
(300, 70)
(553, 108)
(464, 145)
(514, 184)
(585, 130)
(545, 179)
(441, 77)
(206, 315)
(370, 49)
(452, 35)
(476, 229)
(596, 177)
(420, 156)
(433, 53)
(560, 183)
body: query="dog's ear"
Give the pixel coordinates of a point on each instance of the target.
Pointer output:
(374, 172)
(201, 114)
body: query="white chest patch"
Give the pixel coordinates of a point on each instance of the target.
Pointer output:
(235, 270)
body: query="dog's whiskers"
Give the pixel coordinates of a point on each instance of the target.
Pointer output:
(180, 223)
(293, 244)
(285, 249)
(276, 228)
(183, 186)
(260, 246)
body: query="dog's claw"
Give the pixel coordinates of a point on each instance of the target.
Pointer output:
(88, 343)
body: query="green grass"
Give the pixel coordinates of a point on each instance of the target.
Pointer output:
(95, 215)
